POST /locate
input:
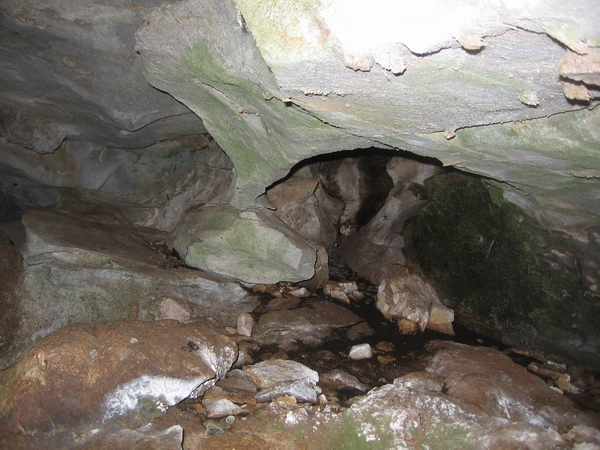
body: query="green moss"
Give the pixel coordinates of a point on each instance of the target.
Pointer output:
(441, 436)
(488, 257)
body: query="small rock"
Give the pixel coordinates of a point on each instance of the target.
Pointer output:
(385, 359)
(301, 292)
(471, 42)
(334, 290)
(217, 408)
(245, 323)
(449, 134)
(529, 97)
(302, 390)
(268, 373)
(581, 433)
(343, 381)
(238, 383)
(544, 372)
(385, 346)
(565, 385)
(360, 351)
(171, 309)
(214, 430)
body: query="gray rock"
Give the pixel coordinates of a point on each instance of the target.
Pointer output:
(89, 79)
(222, 407)
(374, 250)
(360, 351)
(31, 132)
(132, 180)
(214, 430)
(342, 381)
(245, 323)
(252, 246)
(168, 439)
(269, 373)
(85, 264)
(408, 299)
(237, 382)
(303, 390)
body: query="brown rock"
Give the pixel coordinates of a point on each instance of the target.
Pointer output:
(493, 384)
(83, 373)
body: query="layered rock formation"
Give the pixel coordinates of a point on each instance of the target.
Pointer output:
(171, 160)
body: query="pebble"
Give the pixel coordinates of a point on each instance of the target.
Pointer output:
(245, 323)
(217, 408)
(360, 351)
(214, 430)
(334, 290)
(301, 292)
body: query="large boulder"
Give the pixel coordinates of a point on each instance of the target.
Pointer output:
(254, 246)
(85, 374)
(86, 264)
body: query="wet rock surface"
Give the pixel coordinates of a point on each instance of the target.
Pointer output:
(407, 394)
(252, 246)
(83, 375)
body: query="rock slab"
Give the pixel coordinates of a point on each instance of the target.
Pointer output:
(86, 373)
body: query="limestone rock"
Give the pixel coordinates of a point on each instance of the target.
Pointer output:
(83, 374)
(360, 351)
(408, 299)
(266, 374)
(342, 381)
(375, 250)
(89, 77)
(31, 132)
(284, 377)
(86, 264)
(217, 408)
(253, 246)
(131, 180)
(302, 390)
(11, 269)
(309, 325)
(491, 381)
(245, 323)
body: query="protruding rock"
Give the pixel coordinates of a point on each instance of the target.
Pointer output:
(409, 300)
(252, 246)
(309, 325)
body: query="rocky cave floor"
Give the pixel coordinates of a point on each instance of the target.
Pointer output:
(291, 419)
(344, 380)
